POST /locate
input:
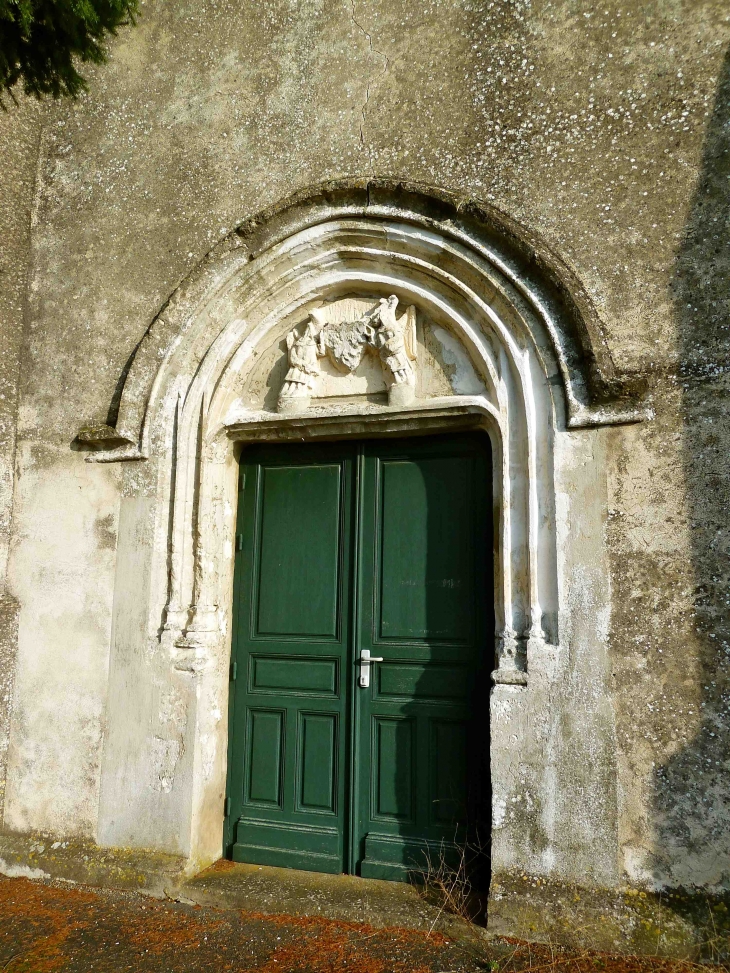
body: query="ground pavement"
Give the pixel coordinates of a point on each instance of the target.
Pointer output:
(46, 926)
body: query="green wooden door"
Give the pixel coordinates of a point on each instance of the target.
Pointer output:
(423, 591)
(384, 548)
(289, 726)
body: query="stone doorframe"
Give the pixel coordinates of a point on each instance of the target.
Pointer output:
(189, 402)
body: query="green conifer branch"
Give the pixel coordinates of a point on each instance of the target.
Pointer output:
(42, 40)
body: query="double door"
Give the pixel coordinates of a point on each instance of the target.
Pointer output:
(358, 733)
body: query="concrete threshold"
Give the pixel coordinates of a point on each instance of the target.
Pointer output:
(283, 891)
(230, 886)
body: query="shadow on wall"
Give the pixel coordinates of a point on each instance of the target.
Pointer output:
(692, 789)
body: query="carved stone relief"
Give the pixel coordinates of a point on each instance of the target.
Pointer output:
(377, 333)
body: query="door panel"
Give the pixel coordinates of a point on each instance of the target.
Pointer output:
(265, 740)
(421, 680)
(426, 564)
(285, 674)
(448, 783)
(317, 766)
(392, 769)
(300, 518)
(425, 597)
(291, 647)
(384, 546)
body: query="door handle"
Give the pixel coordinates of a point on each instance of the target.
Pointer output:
(366, 660)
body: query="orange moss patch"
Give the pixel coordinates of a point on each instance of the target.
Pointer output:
(50, 916)
(168, 932)
(222, 865)
(313, 922)
(330, 945)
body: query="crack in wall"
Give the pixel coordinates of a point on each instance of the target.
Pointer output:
(371, 81)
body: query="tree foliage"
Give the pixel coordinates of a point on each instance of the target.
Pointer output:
(40, 41)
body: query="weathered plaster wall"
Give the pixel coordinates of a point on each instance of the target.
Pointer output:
(668, 528)
(555, 786)
(19, 138)
(62, 572)
(601, 127)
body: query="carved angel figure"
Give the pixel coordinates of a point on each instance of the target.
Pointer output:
(393, 340)
(299, 382)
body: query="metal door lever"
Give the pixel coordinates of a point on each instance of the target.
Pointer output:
(366, 661)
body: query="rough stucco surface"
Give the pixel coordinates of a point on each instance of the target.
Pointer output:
(19, 135)
(601, 127)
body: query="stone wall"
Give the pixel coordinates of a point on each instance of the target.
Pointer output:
(600, 128)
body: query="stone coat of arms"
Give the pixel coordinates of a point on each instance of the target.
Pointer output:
(378, 331)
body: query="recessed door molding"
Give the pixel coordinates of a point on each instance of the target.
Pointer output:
(507, 342)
